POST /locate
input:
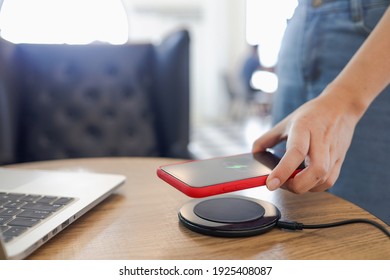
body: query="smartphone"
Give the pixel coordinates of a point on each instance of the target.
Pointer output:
(202, 178)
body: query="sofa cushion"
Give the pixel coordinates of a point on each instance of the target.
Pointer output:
(171, 94)
(83, 101)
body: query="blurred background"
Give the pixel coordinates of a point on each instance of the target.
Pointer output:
(232, 54)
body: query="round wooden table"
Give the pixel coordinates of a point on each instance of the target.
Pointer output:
(140, 222)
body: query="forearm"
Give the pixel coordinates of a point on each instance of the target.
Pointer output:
(367, 73)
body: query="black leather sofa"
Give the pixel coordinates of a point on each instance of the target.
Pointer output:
(97, 100)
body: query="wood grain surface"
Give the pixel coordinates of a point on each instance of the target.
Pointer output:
(140, 222)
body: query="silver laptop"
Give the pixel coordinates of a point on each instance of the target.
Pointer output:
(35, 205)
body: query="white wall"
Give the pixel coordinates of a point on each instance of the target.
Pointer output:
(217, 30)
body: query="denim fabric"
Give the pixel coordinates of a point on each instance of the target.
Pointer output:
(320, 39)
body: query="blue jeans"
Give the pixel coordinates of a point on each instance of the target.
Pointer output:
(320, 39)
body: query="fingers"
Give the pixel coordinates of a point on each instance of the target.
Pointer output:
(269, 139)
(323, 163)
(331, 180)
(307, 141)
(295, 186)
(297, 148)
(318, 161)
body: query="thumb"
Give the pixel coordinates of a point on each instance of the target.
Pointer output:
(269, 139)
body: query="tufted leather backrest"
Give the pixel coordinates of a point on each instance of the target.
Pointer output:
(171, 94)
(8, 103)
(103, 100)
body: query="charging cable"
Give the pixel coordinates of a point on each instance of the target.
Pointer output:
(300, 226)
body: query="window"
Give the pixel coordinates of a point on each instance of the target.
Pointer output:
(64, 21)
(265, 24)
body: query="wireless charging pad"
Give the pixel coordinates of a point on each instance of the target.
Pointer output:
(229, 216)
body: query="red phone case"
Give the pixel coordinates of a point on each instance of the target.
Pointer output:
(199, 192)
(212, 189)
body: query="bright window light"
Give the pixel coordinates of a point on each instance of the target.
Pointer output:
(64, 21)
(264, 81)
(266, 21)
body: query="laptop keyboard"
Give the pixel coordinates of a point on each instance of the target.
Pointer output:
(21, 212)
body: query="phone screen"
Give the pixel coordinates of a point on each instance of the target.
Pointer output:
(224, 169)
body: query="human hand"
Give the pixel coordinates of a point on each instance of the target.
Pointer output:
(319, 133)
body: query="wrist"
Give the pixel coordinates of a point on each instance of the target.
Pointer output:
(352, 100)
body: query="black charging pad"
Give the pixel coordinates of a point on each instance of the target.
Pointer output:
(229, 216)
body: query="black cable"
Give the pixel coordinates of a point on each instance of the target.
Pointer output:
(300, 226)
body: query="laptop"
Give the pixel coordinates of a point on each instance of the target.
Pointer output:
(35, 205)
